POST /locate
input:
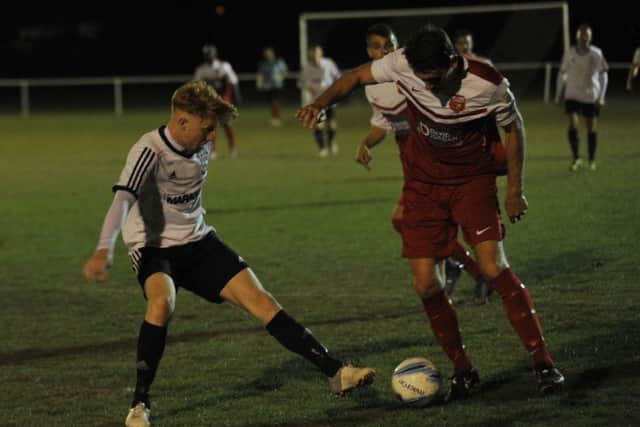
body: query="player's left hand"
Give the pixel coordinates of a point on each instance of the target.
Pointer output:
(308, 115)
(516, 205)
(363, 156)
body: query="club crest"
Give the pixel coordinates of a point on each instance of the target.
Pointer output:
(457, 103)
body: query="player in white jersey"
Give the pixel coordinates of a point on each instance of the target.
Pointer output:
(389, 115)
(317, 75)
(582, 84)
(633, 69)
(223, 78)
(158, 206)
(455, 105)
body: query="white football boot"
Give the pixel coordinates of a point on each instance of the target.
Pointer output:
(138, 416)
(349, 377)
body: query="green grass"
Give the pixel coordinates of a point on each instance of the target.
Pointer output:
(317, 233)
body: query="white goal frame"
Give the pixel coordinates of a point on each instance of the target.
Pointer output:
(431, 11)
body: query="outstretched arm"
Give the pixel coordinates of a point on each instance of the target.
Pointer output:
(338, 90)
(97, 267)
(515, 203)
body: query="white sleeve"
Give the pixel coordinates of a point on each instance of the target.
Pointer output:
(386, 68)
(603, 76)
(562, 76)
(198, 73)
(335, 71)
(140, 161)
(504, 104)
(377, 118)
(114, 220)
(636, 58)
(233, 77)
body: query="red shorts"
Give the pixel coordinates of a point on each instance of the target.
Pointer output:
(433, 214)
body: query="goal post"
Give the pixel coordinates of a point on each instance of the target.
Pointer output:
(523, 37)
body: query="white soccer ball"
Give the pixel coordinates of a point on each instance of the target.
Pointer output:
(416, 381)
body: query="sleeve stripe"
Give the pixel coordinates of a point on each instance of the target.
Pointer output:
(135, 168)
(140, 169)
(123, 188)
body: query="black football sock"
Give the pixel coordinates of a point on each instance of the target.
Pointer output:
(298, 339)
(574, 142)
(593, 144)
(318, 134)
(331, 133)
(151, 343)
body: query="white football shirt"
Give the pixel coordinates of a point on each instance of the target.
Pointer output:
(483, 91)
(583, 76)
(388, 107)
(216, 73)
(316, 78)
(167, 183)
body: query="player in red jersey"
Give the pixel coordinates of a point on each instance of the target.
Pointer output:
(389, 114)
(455, 106)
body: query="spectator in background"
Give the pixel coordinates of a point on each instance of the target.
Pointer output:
(317, 75)
(633, 69)
(582, 84)
(270, 80)
(221, 76)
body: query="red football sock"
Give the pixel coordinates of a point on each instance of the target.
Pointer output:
(461, 255)
(444, 324)
(275, 110)
(518, 305)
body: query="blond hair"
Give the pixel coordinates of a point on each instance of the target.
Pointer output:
(201, 99)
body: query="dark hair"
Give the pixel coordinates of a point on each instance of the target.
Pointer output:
(429, 49)
(382, 30)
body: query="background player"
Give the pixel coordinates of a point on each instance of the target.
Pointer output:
(455, 105)
(317, 75)
(158, 206)
(582, 84)
(272, 71)
(221, 76)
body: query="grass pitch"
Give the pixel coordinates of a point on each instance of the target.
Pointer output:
(317, 233)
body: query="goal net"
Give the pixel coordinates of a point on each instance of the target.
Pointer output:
(523, 40)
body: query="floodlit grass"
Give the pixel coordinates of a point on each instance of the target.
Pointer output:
(317, 233)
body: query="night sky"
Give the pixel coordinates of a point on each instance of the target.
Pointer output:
(147, 38)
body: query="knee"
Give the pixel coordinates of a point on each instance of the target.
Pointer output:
(160, 309)
(426, 286)
(491, 270)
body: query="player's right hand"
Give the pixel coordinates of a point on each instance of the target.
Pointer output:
(97, 267)
(308, 115)
(363, 156)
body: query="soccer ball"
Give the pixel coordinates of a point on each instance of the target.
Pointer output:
(416, 381)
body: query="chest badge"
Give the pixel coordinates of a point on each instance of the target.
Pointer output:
(457, 103)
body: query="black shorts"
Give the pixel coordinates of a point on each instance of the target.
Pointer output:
(586, 109)
(203, 267)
